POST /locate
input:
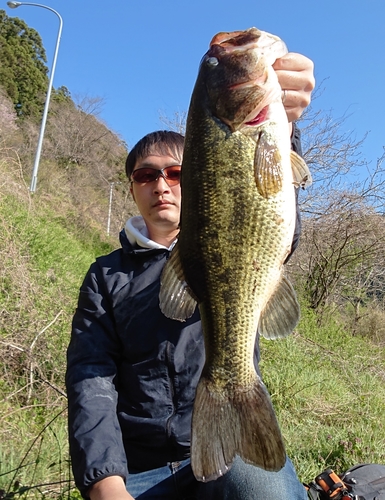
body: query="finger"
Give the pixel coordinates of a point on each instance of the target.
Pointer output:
(294, 62)
(295, 72)
(295, 99)
(296, 80)
(293, 114)
(295, 103)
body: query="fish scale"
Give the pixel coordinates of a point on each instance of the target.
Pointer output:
(237, 223)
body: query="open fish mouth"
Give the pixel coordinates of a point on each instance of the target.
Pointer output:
(260, 118)
(240, 41)
(243, 41)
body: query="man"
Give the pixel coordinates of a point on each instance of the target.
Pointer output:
(132, 372)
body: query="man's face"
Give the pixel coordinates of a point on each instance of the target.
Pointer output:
(158, 203)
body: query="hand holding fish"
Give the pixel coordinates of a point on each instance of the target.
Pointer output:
(295, 74)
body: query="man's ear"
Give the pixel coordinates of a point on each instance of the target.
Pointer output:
(132, 193)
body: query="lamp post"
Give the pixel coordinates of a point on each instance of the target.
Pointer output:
(112, 184)
(14, 5)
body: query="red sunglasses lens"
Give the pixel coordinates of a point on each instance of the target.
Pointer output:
(172, 174)
(145, 175)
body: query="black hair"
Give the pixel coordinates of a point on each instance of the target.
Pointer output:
(165, 142)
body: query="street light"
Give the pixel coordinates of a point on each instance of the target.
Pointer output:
(14, 5)
(112, 184)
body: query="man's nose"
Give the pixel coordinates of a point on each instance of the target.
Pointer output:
(161, 185)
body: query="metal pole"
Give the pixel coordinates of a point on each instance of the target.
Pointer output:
(14, 5)
(109, 208)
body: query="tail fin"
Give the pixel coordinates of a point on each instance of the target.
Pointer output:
(224, 425)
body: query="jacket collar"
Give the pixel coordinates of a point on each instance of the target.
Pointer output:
(134, 237)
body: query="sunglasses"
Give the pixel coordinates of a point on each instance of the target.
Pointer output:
(147, 174)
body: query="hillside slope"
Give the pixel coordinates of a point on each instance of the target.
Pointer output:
(44, 254)
(327, 386)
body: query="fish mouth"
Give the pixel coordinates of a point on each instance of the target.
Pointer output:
(239, 41)
(259, 118)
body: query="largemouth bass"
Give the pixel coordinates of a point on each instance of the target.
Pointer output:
(237, 223)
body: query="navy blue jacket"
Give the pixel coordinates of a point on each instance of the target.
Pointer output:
(131, 372)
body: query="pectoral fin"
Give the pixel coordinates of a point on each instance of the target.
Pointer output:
(281, 314)
(268, 167)
(176, 299)
(301, 173)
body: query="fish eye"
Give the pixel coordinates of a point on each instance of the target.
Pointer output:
(212, 61)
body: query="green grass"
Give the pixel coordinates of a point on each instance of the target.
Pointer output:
(43, 263)
(329, 393)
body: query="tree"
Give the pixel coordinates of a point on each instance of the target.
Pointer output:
(333, 156)
(62, 94)
(76, 136)
(7, 116)
(342, 249)
(23, 72)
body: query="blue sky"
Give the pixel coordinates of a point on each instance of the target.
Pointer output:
(142, 56)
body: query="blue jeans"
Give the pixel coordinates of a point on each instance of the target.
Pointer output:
(243, 482)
